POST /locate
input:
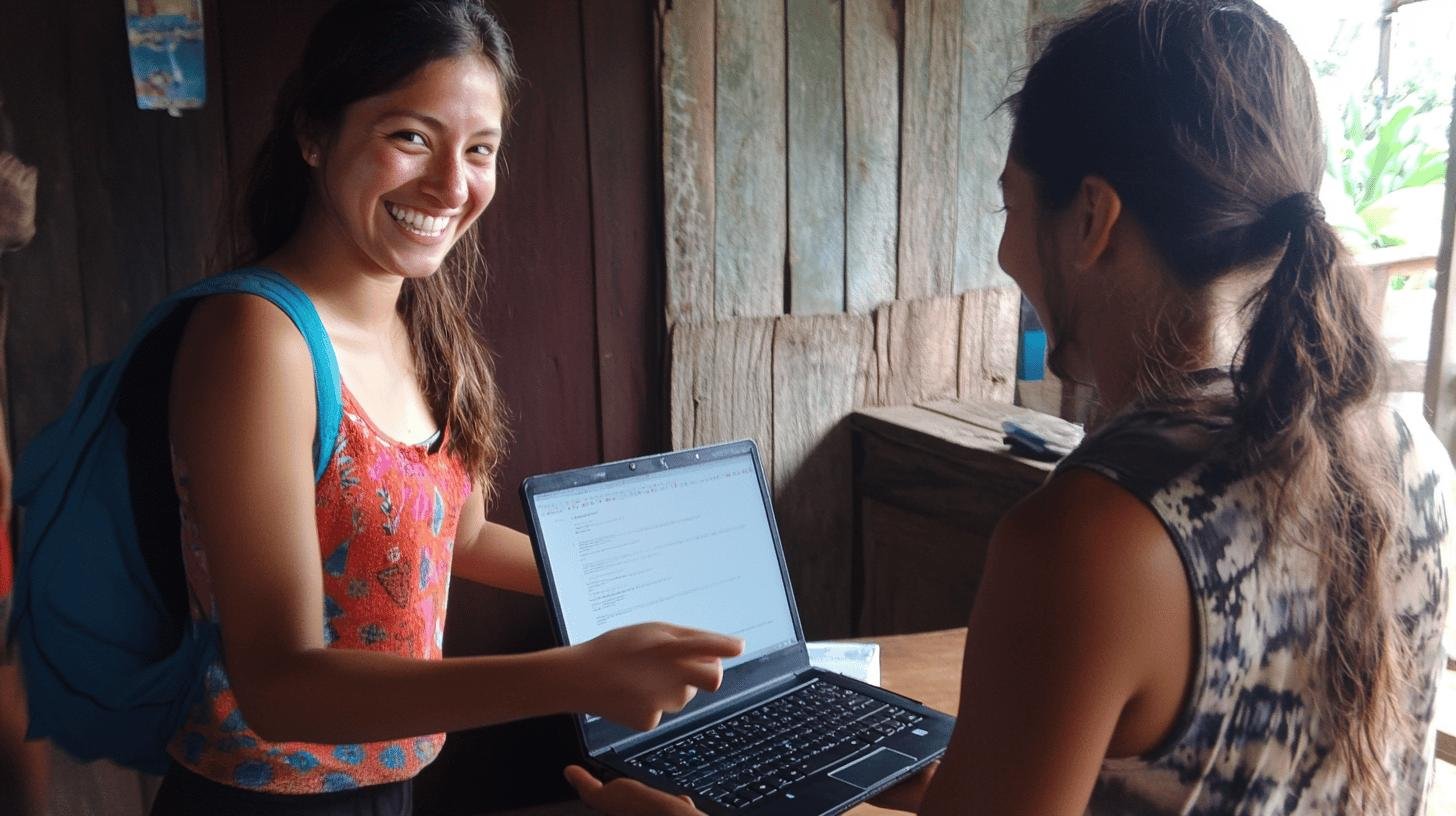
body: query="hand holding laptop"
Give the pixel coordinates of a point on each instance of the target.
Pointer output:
(627, 797)
(634, 674)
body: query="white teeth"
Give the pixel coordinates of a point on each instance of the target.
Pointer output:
(417, 222)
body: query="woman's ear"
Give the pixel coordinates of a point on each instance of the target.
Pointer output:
(1099, 208)
(309, 149)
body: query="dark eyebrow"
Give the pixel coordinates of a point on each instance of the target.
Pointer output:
(433, 122)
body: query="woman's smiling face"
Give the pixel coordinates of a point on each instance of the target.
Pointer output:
(410, 170)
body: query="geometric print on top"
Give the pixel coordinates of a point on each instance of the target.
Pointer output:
(1249, 739)
(387, 515)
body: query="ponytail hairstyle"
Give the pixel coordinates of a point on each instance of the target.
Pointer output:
(363, 48)
(1202, 116)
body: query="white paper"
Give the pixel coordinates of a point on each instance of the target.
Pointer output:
(858, 660)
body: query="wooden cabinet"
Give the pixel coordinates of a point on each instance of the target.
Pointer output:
(931, 481)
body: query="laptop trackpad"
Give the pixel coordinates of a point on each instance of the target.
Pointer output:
(869, 770)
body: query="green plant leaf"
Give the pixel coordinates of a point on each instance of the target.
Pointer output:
(1427, 174)
(1388, 146)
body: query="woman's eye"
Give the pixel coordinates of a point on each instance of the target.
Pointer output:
(483, 150)
(409, 136)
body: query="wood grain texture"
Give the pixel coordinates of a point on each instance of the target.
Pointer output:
(540, 311)
(117, 185)
(932, 481)
(688, 162)
(816, 156)
(917, 350)
(750, 180)
(993, 47)
(196, 189)
(989, 323)
(261, 44)
(624, 214)
(989, 414)
(871, 151)
(929, 148)
(920, 571)
(819, 364)
(965, 445)
(722, 384)
(45, 348)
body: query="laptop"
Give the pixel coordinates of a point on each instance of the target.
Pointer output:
(689, 538)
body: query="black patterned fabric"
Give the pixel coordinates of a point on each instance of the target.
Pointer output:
(1249, 739)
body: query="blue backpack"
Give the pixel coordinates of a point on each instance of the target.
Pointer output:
(111, 659)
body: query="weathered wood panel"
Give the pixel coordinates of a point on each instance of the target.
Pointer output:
(920, 571)
(871, 151)
(819, 365)
(989, 323)
(750, 179)
(988, 415)
(816, 156)
(262, 44)
(993, 47)
(116, 185)
(917, 350)
(932, 482)
(624, 234)
(196, 190)
(722, 384)
(929, 148)
(46, 344)
(688, 160)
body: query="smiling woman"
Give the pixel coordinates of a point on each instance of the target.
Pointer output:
(328, 581)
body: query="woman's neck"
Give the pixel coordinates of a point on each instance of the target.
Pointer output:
(343, 285)
(1153, 353)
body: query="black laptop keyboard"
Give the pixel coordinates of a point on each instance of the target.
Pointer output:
(759, 752)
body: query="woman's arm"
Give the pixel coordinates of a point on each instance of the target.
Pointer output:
(493, 554)
(1078, 649)
(242, 421)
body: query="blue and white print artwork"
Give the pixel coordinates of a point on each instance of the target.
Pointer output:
(167, 55)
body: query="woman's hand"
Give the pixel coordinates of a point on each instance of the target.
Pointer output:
(627, 797)
(636, 674)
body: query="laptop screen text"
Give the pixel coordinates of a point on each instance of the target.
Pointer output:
(689, 546)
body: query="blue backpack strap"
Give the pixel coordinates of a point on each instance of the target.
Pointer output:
(284, 294)
(103, 677)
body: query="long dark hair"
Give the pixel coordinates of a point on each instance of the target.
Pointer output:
(1202, 116)
(362, 48)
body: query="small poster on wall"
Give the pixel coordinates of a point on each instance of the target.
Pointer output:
(167, 63)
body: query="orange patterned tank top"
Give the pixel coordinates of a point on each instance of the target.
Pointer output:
(387, 514)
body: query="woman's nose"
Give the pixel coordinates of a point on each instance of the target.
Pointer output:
(446, 181)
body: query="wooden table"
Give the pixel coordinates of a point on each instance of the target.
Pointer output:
(925, 667)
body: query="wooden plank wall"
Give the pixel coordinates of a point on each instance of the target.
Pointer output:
(861, 273)
(132, 203)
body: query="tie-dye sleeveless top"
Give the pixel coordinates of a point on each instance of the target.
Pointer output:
(1249, 739)
(387, 514)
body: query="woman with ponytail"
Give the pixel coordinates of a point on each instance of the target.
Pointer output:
(1229, 598)
(330, 692)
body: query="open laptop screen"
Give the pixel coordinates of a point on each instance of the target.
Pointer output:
(689, 545)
